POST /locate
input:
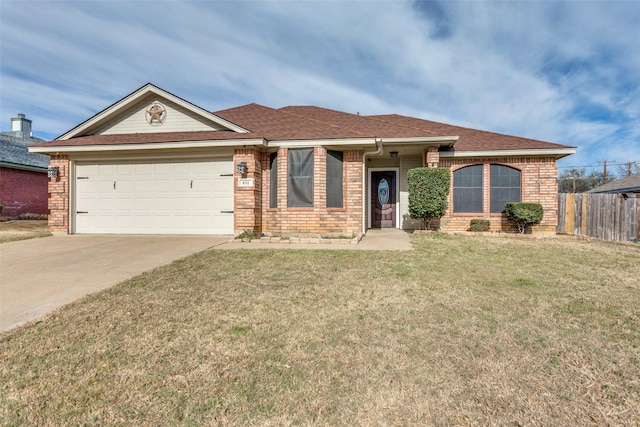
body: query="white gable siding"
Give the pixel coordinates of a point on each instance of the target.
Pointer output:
(134, 120)
(406, 163)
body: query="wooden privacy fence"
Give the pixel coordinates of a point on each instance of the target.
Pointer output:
(603, 216)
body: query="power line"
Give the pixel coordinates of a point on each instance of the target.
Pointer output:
(576, 167)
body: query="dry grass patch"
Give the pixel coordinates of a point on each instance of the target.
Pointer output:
(461, 331)
(23, 229)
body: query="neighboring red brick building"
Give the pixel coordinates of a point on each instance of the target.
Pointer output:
(23, 175)
(155, 163)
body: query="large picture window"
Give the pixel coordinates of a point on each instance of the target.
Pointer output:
(300, 180)
(273, 180)
(505, 187)
(334, 179)
(467, 189)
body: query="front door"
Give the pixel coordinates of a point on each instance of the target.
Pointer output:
(383, 199)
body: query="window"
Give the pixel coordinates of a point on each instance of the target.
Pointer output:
(334, 179)
(273, 180)
(505, 187)
(467, 189)
(300, 181)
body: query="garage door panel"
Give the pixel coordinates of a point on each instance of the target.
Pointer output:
(144, 169)
(181, 185)
(155, 198)
(183, 169)
(161, 204)
(162, 221)
(204, 204)
(144, 186)
(100, 205)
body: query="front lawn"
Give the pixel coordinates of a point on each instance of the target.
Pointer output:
(23, 230)
(461, 331)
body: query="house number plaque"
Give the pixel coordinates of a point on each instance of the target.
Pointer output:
(245, 182)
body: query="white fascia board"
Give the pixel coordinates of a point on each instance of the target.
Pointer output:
(439, 140)
(502, 153)
(322, 142)
(143, 91)
(148, 146)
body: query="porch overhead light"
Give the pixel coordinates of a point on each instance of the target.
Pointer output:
(393, 154)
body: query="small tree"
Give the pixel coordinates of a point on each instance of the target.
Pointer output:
(524, 214)
(428, 193)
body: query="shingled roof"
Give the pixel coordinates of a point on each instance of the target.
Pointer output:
(300, 123)
(309, 122)
(469, 139)
(14, 152)
(629, 184)
(281, 125)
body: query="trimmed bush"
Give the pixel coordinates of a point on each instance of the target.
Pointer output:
(428, 193)
(479, 225)
(524, 214)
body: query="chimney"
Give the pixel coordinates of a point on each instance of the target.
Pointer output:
(21, 126)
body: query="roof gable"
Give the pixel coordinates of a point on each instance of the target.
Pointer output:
(151, 110)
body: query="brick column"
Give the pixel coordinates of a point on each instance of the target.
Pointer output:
(353, 184)
(59, 195)
(432, 157)
(248, 200)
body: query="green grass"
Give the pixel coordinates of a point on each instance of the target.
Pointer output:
(461, 331)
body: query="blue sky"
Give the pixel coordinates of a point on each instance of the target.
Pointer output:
(565, 72)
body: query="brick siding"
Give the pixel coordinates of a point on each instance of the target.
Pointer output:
(23, 191)
(538, 183)
(284, 220)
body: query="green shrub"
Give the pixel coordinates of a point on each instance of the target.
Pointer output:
(428, 193)
(524, 214)
(479, 225)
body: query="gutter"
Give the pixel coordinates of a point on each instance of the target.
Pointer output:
(378, 152)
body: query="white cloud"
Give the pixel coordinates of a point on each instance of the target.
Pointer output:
(567, 72)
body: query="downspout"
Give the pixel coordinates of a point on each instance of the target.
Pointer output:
(378, 152)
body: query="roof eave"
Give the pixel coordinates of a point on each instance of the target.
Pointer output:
(294, 143)
(23, 167)
(446, 141)
(57, 149)
(557, 152)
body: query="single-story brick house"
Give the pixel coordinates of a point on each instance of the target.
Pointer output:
(155, 163)
(23, 175)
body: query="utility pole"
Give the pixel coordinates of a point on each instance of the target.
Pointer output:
(627, 168)
(604, 171)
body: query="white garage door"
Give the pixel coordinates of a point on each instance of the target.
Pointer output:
(194, 197)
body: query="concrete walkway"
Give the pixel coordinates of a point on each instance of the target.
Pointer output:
(40, 275)
(374, 240)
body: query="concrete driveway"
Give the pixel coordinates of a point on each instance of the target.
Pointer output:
(40, 275)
